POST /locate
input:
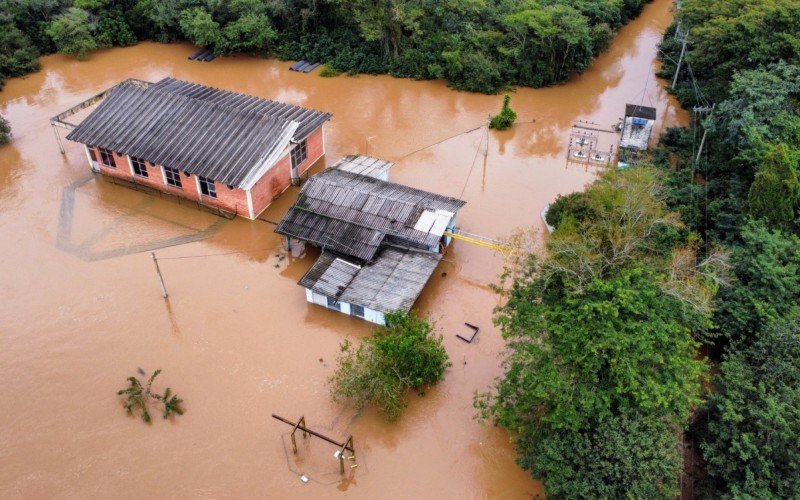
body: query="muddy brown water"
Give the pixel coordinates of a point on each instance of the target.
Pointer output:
(81, 309)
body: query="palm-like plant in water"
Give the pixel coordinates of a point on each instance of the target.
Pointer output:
(172, 403)
(137, 397)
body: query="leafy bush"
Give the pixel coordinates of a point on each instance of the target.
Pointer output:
(506, 117)
(329, 71)
(138, 398)
(571, 205)
(5, 131)
(71, 33)
(18, 56)
(404, 355)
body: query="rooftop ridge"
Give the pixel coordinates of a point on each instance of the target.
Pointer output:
(129, 86)
(323, 177)
(159, 87)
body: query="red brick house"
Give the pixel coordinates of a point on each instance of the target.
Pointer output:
(223, 149)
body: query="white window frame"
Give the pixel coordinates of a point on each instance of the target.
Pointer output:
(164, 176)
(102, 158)
(133, 170)
(210, 182)
(302, 148)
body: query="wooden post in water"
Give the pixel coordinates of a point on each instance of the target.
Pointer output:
(300, 423)
(58, 139)
(160, 278)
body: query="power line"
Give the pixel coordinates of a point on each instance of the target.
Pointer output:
(199, 256)
(474, 159)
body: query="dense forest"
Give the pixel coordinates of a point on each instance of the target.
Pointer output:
(477, 45)
(667, 309)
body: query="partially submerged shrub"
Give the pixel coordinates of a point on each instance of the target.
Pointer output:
(138, 398)
(506, 117)
(5, 131)
(329, 71)
(570, 205)
(406, 354)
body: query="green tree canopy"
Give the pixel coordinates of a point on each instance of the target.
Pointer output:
(626, 456)
(603, 337)
(71, 33)
(751, 442)
(404, 355)
(775, 192)
(578, 365)
(767, 287)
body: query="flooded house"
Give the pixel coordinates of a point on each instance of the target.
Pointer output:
(380, 241)
(637, 126)
(226, 150)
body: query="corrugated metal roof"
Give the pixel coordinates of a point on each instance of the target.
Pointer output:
(308, 119)
(637, 111)
(355, 214)
(228, 137)
(392, 282)
(364, 165)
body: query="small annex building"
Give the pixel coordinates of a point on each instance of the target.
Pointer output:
(230, 151)
(380, 241)
(637, 126)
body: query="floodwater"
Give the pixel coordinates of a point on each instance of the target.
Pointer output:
(81, 308)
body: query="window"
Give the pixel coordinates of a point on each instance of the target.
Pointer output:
(92, 154)
(357, 311)
(299, 154)
(108, 157)
(172, 176)
(334, 304)
(207, 187)
(139, 167)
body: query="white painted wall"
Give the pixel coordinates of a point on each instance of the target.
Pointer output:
(321, 300)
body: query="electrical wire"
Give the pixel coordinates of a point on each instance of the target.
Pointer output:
(474, 159)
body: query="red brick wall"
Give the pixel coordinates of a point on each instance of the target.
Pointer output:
(275, 181)
(315, 148)
(271, 185)
(230, 200)
(279, 177)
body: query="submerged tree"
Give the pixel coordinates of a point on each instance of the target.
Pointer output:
(407, 354)
(602, 369)
(506, 117)
(138, 398)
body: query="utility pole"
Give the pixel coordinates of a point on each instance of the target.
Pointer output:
(708, 110)
(160, 278)
(684, 41)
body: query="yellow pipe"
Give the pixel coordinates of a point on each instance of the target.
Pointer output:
(494, 245)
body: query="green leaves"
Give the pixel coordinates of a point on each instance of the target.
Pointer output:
(5, 131)
(137, 398)
(750, 442)
(506, 117)
(405, 355)
(602, 368)
(775, 193)
(71, 33)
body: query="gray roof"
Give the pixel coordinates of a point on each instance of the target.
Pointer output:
(392, 282)
(355, 214)
(364, 165)
(637, 111)
(228, 137)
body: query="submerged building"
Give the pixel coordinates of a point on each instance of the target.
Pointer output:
(230, 151)
(380, 241)
(637, 126)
